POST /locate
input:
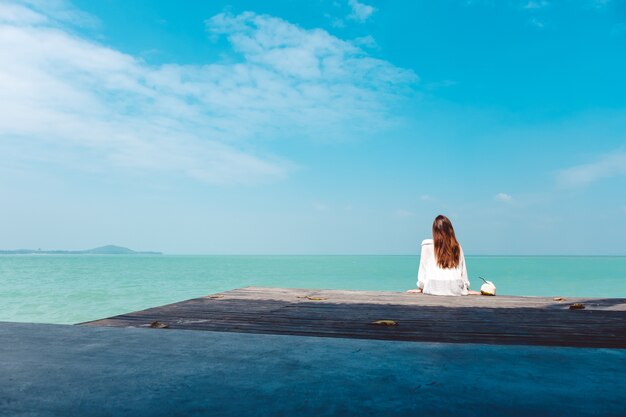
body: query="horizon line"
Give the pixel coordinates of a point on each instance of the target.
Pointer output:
(158, 253)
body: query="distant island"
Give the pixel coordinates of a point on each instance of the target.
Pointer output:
(102, 250)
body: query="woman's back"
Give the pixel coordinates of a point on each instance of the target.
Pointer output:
(432, 279)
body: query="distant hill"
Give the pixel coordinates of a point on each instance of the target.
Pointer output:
(111, 250)
(102, 250)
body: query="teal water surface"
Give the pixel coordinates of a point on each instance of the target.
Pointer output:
(77, 288)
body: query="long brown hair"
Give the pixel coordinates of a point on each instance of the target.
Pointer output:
(447, 248)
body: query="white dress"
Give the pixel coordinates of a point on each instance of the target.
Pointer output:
(435, 280)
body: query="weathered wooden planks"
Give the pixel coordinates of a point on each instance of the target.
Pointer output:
(333, 313)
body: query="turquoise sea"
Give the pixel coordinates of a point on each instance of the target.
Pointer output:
(72, 289)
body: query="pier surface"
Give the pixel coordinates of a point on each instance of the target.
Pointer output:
(500, 320)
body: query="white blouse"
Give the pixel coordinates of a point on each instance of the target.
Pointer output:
(435, 280)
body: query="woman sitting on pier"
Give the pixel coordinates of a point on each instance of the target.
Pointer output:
(442, 268)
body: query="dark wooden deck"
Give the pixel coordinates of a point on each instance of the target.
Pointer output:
(349, 314)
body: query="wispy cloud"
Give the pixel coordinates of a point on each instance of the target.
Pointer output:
(598, 4)
(365, 41)
(437, 85)
(537, 22)
(360, 11)
(605, 167)
(320, 206)
(503, 197)
(403, 213)
(536, 4)
(45, 11)
(618, 29)
(536, 10)
(64, 97)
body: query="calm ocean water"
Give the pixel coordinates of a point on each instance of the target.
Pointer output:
(71, 289)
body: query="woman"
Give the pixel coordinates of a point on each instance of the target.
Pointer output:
(442, 268)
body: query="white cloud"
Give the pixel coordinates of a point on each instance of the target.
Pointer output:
(605, 167)
(503, 197)
(426, 197)
(360, 11)
(14, 13)
(67, 99)
(52, 12)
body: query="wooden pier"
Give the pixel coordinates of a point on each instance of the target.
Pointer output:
(502, 320)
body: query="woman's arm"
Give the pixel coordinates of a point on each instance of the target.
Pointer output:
(421, 274)
(466, 278)
(464, 271)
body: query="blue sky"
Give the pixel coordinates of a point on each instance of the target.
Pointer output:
(323, 127)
